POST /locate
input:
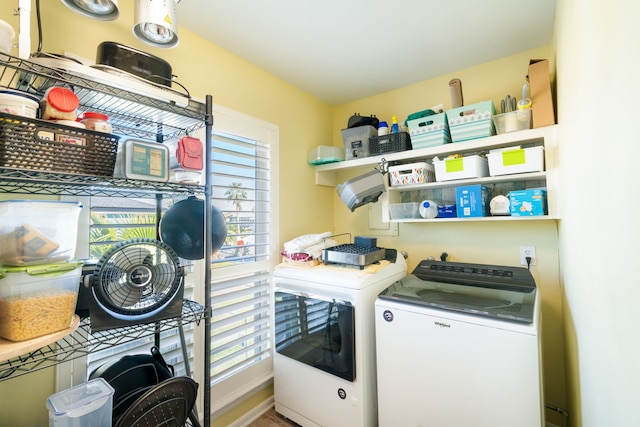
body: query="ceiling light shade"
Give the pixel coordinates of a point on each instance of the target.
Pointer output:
(103, 10)
(155, 22)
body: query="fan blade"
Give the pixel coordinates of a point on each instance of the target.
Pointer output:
(123, 294)
(163, 277)
(132, 256)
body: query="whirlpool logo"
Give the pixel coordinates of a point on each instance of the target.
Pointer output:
(442, 325)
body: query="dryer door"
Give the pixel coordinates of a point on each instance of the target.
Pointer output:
(317, 331)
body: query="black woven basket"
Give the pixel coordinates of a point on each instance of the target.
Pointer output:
(390, 143)
(41, 145)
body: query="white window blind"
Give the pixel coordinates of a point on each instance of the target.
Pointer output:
(241, 173)
(244, 173)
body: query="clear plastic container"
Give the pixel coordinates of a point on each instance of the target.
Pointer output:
(59, 103)
(38, 300)
(96, 121)
(89, 404)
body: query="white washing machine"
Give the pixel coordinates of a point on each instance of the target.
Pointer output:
(324, 364)
(458, 345)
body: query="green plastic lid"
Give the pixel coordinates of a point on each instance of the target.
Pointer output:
(42, 269)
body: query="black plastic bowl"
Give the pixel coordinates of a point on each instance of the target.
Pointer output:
(182, 228)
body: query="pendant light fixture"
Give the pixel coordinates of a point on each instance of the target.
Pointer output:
(103, 10)
(155, 22)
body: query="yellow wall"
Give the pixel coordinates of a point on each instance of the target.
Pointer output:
(482, 242)
(304, 123)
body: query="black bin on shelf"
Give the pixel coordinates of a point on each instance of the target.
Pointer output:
(40, 145)
(390, 143)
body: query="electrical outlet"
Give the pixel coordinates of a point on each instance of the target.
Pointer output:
(527, 251)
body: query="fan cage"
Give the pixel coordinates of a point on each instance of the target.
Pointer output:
(137, 278)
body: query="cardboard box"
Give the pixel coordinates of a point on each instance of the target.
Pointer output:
(472, 201)
(532, 202)
(541, 96)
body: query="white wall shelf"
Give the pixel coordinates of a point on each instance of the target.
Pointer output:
(326, 174)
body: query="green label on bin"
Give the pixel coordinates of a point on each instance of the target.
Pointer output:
(454, 165)
(513, 157)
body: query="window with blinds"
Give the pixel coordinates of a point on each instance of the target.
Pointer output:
(244, 176)
(241, 173)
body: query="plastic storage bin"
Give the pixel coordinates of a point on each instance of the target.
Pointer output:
(37, 231)
(390, 143)
(472, 121)
(325, 154)
(356, 141)
(44, 145)
(461, 168)
(143, 160)
(429, 131)
(518, 160)
(404, 210)
(513, 121)
(86, 405)
(411, 173)
(38, 300)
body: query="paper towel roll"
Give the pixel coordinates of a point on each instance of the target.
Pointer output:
(455, 91)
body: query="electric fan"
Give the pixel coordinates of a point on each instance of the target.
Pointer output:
(136, 281)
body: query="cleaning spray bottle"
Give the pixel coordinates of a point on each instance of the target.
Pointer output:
(394, 124)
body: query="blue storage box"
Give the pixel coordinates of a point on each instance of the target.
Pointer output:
(471, 121)
(472, 201)
(447, 210)
(429, 131)
(532, 202)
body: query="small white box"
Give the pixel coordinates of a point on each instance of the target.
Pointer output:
(461, 168)
(143, 160)
(519, 160)
(411, 173)
(87, 404)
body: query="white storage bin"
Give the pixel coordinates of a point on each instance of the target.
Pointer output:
(461, 168)
(519, 160)
(411, 173)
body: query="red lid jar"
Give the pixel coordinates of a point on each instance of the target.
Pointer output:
(59, 103)
(96, 121)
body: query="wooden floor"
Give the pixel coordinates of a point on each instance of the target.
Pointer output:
(272, 419)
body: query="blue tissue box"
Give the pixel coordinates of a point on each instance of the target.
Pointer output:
(472, 201)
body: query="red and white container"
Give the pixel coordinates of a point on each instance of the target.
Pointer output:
(59, 103)
(96, 121)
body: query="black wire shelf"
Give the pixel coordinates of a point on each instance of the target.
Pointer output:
(22, 181)
(82, 342)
